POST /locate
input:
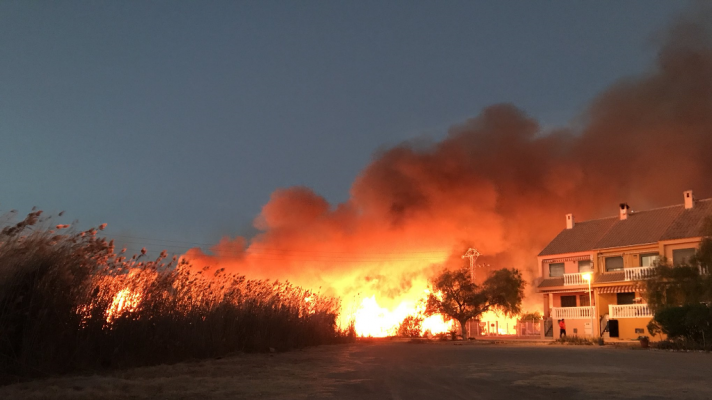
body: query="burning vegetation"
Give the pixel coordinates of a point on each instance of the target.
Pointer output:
(69, 302)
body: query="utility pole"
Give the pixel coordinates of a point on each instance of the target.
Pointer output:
(472, 254)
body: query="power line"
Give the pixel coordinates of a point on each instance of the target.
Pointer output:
(322, 258)
(266, 250)
(352, 257)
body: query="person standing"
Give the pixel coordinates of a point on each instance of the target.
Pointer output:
(562, 328)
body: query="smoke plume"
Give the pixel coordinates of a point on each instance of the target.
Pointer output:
(497, 182)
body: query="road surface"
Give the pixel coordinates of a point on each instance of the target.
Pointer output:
(387, 369)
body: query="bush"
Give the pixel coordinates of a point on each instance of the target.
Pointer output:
(575, 340)
(692, 322)
(411, 326)
(68, 302)
(530, 316)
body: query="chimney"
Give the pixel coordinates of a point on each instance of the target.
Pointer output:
(624, 211)
(569, 221)
(689, 199)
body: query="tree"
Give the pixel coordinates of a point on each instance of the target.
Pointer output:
(454, 295)
(530, 316)
(680, 295)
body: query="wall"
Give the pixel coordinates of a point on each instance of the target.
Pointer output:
(631, 256)
(626, 326)
(668, 247)
(572, 324)
(570, 267)
(557, 298)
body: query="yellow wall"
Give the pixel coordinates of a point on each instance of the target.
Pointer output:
(631, 256)
(668, 247)
(604, 300)
(626, 329)
(626, 326)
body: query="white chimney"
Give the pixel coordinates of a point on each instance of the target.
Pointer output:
(624, 211)
(569, 221)
(689, 199)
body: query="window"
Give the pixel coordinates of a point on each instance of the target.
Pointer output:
(682, 256)
(584, 266)
(568, 301)
(584, 300)
(625, 298)
(649, 260)
(614, 263)
(556, 269)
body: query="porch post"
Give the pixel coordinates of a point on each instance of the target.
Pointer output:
(598, 313)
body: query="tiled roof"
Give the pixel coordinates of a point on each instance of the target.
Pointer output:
(689, 222)
(582, 237)
(642, 227)
(610, 277)
(551, 282)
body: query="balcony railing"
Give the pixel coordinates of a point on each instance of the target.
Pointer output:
(571, 312)
(629, 311)
(574, 279)
(635, 274)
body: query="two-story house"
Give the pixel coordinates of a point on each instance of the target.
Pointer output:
(611, 256)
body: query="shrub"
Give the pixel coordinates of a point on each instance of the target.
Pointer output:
(692, 322)
(575, 340)
(411, 326)
(530, 316)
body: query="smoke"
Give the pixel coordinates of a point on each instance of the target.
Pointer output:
(497, 182)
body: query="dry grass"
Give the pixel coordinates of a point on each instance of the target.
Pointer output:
(69, 302)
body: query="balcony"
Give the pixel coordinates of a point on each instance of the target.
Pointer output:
(629, 311)
(636, 274)
(571, 312)
(574, 279)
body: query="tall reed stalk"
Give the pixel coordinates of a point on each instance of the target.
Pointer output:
(69, 302)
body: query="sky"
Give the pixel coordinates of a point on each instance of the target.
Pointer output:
(175, 121)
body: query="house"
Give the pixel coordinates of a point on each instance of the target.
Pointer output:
(612, 256)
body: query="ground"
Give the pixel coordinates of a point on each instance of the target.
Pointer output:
(388, 369)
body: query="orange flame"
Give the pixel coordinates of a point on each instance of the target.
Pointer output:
(124, 301)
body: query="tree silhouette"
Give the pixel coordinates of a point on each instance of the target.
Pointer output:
(454, 295)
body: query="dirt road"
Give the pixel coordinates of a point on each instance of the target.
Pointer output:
(402, 370)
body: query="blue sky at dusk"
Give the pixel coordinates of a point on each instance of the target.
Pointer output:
(176, 120)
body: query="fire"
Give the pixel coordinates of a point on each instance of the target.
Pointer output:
(372, 320)
(497, 324)
(124, 301)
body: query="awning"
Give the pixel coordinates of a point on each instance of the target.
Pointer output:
(547, 291)
(562, 259)
(618, 289)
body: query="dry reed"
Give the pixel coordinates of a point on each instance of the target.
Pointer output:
(69, 302)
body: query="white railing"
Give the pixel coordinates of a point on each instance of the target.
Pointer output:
(629, 311)
(574, 279)
(635, 274)
(571, 312)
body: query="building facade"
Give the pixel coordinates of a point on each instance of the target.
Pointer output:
(611, 257)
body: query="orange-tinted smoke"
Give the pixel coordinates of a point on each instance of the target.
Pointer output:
(497, 182)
